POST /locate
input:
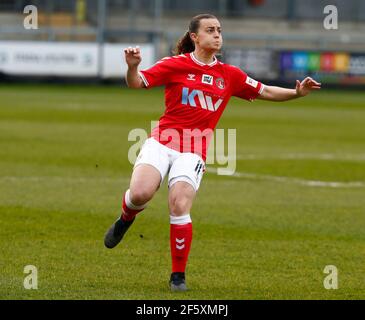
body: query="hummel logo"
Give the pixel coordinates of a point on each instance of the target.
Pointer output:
(180, 241)
(191, 77)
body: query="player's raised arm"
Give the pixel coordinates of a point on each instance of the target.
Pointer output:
(272, 93)
(133, 59)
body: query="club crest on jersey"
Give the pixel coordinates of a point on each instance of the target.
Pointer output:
(207, 79)
(205, 101)
(220, 83)
(191, 77)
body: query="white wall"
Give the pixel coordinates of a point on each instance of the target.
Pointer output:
(29, 58)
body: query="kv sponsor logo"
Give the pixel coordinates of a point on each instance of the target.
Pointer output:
(205, 101)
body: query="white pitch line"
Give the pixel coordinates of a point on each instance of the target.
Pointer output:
(299, 156)
(310, 156)
(58, 178)
(308, 183)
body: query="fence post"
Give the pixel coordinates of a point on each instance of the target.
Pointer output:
(157, 31)
(101, 34)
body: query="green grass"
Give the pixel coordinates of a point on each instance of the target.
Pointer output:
(64, 168)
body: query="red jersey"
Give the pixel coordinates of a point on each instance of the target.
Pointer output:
(196, 95)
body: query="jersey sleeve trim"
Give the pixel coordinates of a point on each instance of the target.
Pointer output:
(143, 78)
(262, 88)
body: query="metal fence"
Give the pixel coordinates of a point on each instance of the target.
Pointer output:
(161, 22)
(351, 10)
(273, 39)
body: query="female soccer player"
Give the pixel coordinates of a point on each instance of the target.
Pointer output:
(197, 90)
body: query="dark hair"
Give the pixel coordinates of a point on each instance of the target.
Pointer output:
(185, 44)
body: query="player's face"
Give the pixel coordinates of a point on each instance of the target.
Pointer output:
(209, 35)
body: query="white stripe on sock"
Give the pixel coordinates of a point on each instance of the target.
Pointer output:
(129, 203)
(184, 219)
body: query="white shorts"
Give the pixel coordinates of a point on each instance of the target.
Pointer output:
(181, 166)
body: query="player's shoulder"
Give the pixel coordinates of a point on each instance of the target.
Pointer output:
(233, 69)
(172, 60)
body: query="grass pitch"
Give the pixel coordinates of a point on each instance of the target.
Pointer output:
(295, 205)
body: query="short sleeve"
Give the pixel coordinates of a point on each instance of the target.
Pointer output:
(243, 86)
(159, 74)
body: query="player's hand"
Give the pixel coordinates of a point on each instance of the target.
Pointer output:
(133, 56)
(306, 86)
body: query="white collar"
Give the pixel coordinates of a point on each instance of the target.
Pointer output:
(202, 63)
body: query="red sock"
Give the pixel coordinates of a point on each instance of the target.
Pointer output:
(181, 233)
(129, 209)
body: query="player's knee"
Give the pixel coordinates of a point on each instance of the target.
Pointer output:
(180, 204)
(141, 196)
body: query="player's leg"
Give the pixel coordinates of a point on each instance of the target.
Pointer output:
(181, 196)
(149, 171)
(184, 180)
(144, 183)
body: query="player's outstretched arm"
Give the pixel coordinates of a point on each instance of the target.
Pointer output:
(272, 93)
(133, 59)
